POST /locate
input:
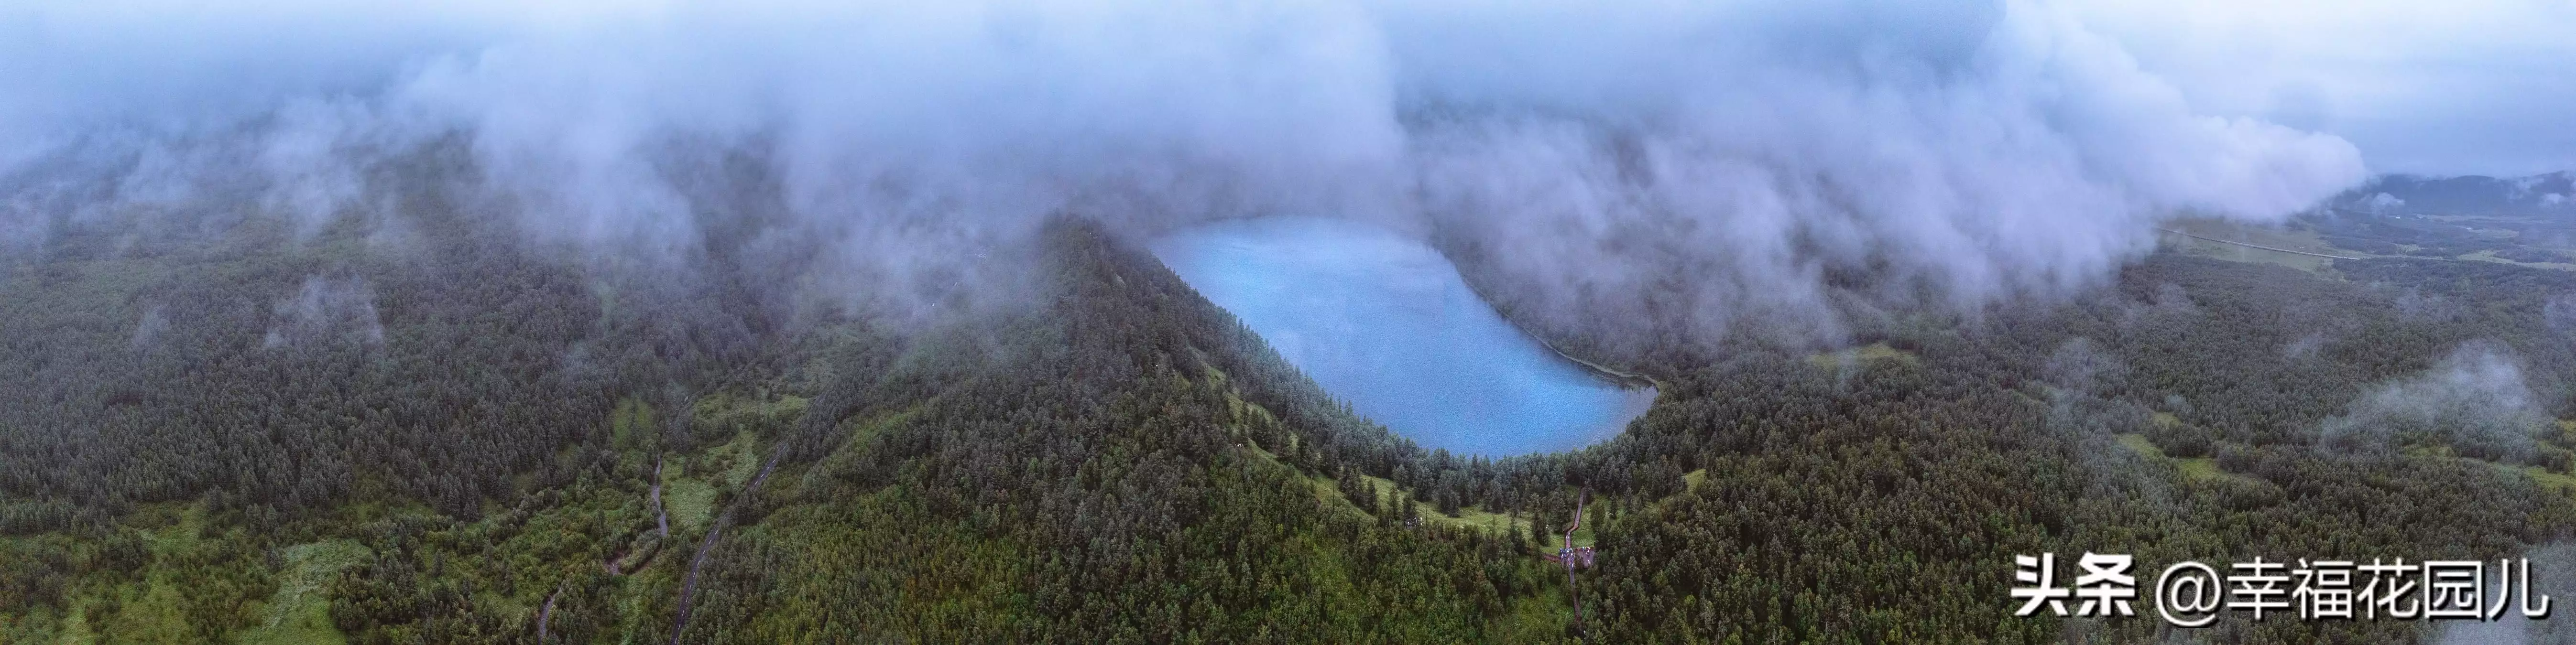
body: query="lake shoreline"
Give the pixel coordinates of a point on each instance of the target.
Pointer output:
(1388, 325)
(1625, 379)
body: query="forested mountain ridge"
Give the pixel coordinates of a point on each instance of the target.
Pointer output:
(1119, 461)
(2192, 412)
(646, 322)
(2543, 194)
(274, 439)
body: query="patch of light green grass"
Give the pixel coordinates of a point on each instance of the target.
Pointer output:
(1869, 353)
(76, 627)
(631, 423)
(2192, 468)
(1467, 517)
(2550, 480)
(691, 503)
(2561, 482)
(746, 461)
(1494, 522)
(1537, 618)
(2489, 255)
(2291, 238)
(150, 616)
(300, 613)
(2139, 443)
(149, 610)
(2202, 468)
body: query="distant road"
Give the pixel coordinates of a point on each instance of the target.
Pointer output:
(2253, 246)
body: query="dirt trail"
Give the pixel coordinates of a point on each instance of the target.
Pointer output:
(548, 612)
(658, 509)
(689, 583)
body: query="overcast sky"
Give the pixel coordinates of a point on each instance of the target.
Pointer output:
(2454, 87)
(2459, 87)
(1988, 147)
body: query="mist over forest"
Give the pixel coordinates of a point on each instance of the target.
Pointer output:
(802, 322)
(1737, 153)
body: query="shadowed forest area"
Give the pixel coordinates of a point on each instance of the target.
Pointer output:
(274, 438)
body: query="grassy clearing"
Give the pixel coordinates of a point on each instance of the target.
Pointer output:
(300, 613)
(2204, 469)
(76, 627)
(689, 493)
(2282, 237)
(860, 432)
(2271, 236)
(2234, 253)
(150, 616)
(2490, 256)
(2138, 443)
(746, 462)
(631, 423)
(2561, 482)
(153, 609)
(1536, 618)
(2192, 468)
(1477, 517)
(692, 503)
(1870, 353)
(1474, 517)
(144, 610)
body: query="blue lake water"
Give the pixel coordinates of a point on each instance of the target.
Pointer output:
(1385, 323)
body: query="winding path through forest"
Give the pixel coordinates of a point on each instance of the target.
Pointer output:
(689, 583)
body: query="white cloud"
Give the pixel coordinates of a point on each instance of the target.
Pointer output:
(2479, 86)
(2475, 400)
(1738, 149)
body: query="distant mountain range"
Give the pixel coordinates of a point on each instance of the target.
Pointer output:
(2551, 193)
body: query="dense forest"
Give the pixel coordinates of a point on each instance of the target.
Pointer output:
(260, 435)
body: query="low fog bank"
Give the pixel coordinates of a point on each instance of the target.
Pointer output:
(2475, 401)
(1645, 170)
(2553, 574)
